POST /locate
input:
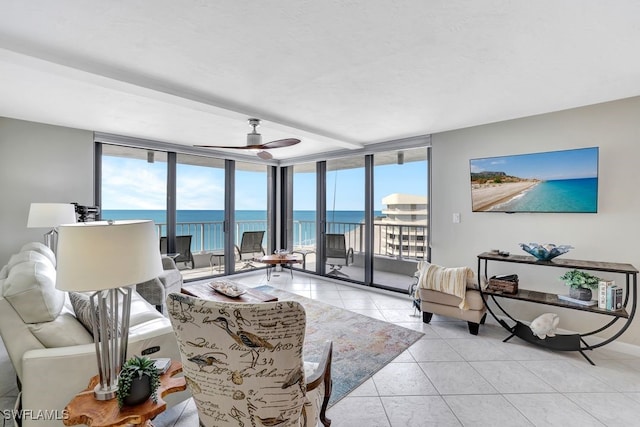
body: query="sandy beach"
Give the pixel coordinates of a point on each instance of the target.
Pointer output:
(486, 196)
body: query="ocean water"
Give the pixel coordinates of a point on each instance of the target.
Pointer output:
(567, 195)
(206, 225)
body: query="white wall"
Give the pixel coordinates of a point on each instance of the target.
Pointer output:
(610, 235)
(39, 163)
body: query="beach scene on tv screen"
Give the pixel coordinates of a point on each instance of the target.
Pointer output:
(555, 181)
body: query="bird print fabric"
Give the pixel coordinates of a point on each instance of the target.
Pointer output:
(243, 362)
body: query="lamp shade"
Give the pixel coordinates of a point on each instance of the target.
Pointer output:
(100, 255)
(49, 215)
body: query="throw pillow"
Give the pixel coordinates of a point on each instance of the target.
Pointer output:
(23, 256)
(31, 289)
(83, 310)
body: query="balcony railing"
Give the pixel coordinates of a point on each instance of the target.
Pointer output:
(390, 240)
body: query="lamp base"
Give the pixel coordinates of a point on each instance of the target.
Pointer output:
(105, 393)
(51, 239)
(110, 336)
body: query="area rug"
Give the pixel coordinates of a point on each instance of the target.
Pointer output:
(362, 345)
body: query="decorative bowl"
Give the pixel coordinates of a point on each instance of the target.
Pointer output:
(545, 252)
(227, 288)
(282, 253)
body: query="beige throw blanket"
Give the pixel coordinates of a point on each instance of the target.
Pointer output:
(449, 280)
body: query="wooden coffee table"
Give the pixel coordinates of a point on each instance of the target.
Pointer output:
(204, 291)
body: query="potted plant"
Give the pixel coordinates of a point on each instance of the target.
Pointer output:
(138, 380)
(581, 284)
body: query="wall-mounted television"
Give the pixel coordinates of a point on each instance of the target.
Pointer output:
(554, 181)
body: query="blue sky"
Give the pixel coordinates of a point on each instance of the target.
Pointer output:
(135, 184)
(409, 178)
(554, 165)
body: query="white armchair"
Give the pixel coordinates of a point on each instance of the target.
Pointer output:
(155, 291)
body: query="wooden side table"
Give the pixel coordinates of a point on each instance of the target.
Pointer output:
(273, 260)
(85, 409)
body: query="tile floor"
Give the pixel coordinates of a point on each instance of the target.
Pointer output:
(451, 378)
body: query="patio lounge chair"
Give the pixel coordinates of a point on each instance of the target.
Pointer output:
(183, 249)
(251, 244)
(336, 254)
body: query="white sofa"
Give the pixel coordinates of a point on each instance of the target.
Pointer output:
(52, 352)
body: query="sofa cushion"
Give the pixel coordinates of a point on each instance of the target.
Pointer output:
(64, 331)
(31, 289)
(41, 248)
(4, 272)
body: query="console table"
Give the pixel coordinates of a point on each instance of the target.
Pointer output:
(563, 342)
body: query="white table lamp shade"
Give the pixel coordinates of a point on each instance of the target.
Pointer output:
(102, 255)
(49, 215)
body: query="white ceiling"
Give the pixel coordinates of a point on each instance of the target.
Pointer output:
(337, 74)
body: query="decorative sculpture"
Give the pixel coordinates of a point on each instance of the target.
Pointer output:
(545, 325)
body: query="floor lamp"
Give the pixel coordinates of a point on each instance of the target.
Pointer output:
(50, 215)
(108, 258)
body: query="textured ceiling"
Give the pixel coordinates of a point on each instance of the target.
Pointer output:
(337, 74)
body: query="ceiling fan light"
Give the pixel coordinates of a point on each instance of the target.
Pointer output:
(264, 155)
(254, 139)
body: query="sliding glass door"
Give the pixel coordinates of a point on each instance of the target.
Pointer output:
(304, 215)
(251, 219)
(345, 218)
(200, 198)
(400, 199)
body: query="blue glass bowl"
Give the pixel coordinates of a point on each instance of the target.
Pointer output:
(545, 252)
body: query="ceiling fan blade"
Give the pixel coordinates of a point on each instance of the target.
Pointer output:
(242, 147)
(265, 155)
(280, 143)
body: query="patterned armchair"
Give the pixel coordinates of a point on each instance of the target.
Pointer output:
(243, 363)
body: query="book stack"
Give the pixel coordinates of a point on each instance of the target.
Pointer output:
(609, 295)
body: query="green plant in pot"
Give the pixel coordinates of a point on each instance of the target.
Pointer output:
(581, 284)
(138, 380)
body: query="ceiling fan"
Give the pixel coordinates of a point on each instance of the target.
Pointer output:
(254, 142)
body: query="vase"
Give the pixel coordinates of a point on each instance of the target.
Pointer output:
(583, 294)
(140, 391)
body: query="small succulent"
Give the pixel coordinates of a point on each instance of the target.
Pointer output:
(580, 279)
(134, 368)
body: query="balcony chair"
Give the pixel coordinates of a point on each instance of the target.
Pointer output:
(183, 249)
(251, 243)
(337, 255)
(251, 372)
